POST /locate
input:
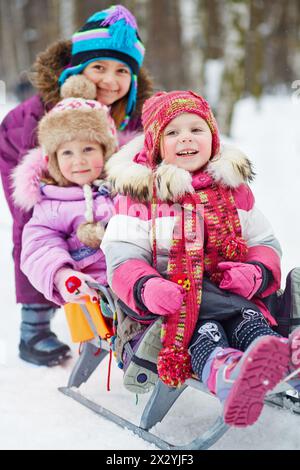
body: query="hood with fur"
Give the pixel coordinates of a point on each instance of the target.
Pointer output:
(231, 168)
(26, 180)
(49, 65)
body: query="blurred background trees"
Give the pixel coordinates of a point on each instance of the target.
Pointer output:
(223, 49)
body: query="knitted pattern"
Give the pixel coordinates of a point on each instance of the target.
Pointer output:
(163, 107)
(187, 263)
(109, 34)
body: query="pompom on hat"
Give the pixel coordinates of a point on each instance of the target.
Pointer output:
(76, 119)
(163, 107)
(109, 34)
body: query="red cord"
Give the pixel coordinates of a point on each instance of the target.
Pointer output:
(97, 352)
(109, 370)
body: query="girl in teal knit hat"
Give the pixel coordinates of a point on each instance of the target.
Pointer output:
(106, 52)
(109, 52)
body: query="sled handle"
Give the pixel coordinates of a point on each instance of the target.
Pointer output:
(106, 293)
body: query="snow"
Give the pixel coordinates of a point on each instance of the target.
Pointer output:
(268, 131)
(213, 75)
(34, 415)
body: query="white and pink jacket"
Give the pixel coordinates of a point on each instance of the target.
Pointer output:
(128, 241)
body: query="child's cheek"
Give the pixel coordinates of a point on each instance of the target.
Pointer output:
(168, 150)
(65, 169)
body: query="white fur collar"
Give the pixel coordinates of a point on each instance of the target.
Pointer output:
(231, 168)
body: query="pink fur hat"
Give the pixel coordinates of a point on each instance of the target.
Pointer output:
(75, 119)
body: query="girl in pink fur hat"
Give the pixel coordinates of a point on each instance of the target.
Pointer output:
(63, 182)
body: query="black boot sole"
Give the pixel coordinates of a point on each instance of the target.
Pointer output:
(50, 360)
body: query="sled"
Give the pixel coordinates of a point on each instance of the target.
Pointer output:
(160, 402)
(288, 399)
(162, 398)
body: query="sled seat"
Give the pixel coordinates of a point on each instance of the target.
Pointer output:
(97, 345)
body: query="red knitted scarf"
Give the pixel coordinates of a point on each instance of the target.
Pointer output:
(188, 261)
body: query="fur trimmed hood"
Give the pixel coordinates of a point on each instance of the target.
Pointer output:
(231, 167)
(49, 65)
(26, 180)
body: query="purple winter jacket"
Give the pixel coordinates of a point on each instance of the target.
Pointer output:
(49, 240)
(17, 137)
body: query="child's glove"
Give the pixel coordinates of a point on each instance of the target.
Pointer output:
(72, 286)
(240, 278)
(161, 296)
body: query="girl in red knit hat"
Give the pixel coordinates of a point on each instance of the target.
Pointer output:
(188, 244)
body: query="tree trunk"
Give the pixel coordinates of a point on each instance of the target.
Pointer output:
(83, 10)
(164, 45)
(210, 20)
(67, 16)
(8, 55)
(236, 24)
(254, 63)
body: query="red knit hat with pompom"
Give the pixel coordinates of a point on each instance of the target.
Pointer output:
(163, 107)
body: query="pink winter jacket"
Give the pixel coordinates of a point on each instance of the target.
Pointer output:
(128, 240)
(49, 238)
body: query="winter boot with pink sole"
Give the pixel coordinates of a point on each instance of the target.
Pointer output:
(242, 380)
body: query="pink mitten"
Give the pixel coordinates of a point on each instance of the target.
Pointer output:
(161, 296)
(72, 286)
(240, 278)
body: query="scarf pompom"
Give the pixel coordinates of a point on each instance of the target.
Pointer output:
(234, 248)
(174, 366)
(90, 234)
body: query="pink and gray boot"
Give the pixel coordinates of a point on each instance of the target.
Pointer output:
(242, 380)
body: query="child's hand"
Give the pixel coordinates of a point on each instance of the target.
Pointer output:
(72, 286)
(241, 278)
(162, 297)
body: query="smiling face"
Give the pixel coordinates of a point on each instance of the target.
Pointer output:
(186, 142)
(112, 79)
(80, 162)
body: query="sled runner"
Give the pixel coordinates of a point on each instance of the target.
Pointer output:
(140, 374)
(162, 397)
(289, 400)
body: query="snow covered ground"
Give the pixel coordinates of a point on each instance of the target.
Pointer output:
(34, 415)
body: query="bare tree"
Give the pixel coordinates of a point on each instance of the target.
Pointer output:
(236, 24)
(67, 15)
(254, 44)
(164, 45)
(212, 47)
(210, 12)
(294, 38)
(83, 10)
(8, 58)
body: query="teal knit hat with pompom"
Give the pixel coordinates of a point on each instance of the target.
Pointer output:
(109, 34)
